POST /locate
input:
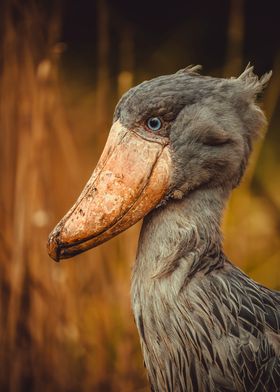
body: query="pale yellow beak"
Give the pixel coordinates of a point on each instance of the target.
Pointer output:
(130, 179)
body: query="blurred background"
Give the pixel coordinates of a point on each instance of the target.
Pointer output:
(63, 67)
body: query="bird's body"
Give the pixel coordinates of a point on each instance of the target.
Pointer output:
(178, 145)
(203, 324)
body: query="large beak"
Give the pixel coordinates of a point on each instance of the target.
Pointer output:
(130, 179)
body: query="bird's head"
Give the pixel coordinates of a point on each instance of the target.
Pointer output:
(170, 136)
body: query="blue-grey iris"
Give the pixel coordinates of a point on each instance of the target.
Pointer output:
(154, 124)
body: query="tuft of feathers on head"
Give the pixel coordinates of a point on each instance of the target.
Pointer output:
(190, 69)
(252, 83)
(251, 115)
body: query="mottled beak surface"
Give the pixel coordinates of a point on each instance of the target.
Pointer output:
(131, 178)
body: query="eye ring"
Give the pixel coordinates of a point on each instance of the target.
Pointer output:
(154, 124)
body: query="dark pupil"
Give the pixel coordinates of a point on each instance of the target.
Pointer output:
(154, 123)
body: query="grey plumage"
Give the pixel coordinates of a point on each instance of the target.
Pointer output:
(204, 325)
(178, 146)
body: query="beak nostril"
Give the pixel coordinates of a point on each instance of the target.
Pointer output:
(82, 213)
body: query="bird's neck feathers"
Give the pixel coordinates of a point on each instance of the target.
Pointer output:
(183, 234)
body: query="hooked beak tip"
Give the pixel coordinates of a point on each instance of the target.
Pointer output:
(53, 246)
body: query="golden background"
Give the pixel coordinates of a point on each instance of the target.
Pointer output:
(63, 67)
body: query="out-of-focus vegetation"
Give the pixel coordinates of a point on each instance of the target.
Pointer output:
(68, 326)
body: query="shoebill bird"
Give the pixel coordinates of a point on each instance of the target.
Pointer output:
(178, 146)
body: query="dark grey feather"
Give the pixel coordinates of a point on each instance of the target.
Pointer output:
(204, 325)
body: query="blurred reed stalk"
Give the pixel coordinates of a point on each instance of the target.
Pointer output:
(32, 122)
(62, 327)
(235, 30)
(126, 59)
(102, 116)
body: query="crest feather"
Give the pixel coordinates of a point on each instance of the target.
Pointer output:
(191, 69)
(251, 81)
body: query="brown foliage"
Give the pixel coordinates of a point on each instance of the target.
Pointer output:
(68, 327)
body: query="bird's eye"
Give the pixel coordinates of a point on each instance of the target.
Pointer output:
(154, 124)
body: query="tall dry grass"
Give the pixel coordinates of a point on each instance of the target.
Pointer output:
(53, 334)
(68, 326)
(32, 318)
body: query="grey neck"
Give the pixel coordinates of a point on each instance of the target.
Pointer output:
(187, 229)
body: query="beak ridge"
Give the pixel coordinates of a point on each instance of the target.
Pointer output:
(131, 178)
